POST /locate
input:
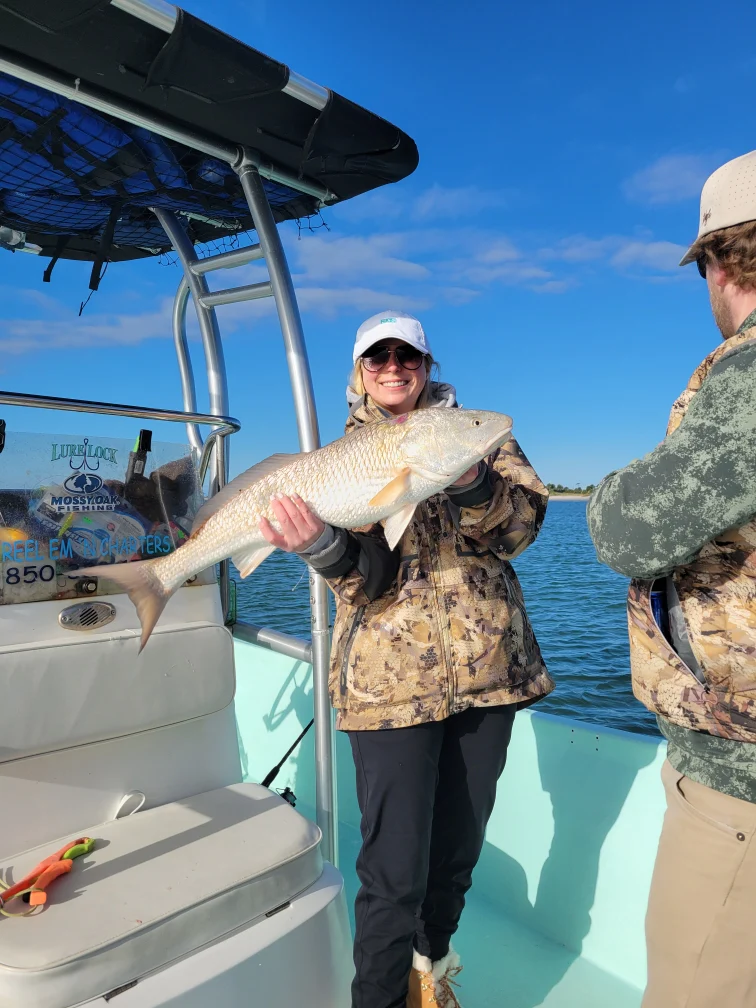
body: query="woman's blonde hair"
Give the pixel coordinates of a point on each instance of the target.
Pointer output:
(432, 372)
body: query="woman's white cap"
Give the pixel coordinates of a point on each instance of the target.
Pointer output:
(728, 197)
(390, 325)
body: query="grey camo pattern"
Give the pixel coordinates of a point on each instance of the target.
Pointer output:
(716, 583)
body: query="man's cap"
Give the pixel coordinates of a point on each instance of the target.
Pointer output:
(727, 198)
(390, 325)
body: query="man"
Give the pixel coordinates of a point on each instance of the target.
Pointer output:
(682, 523)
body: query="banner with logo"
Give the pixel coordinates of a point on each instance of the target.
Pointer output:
(69, 501)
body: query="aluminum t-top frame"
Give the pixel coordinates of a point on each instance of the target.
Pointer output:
(248, 167)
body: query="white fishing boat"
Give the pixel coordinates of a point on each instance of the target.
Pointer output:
(129, 128)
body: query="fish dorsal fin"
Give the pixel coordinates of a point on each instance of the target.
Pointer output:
(394, 526)
(242, 482)
(393, 490)
(250, 559)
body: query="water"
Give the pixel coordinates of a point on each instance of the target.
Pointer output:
(576, 606)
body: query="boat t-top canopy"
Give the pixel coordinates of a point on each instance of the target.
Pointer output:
(109, 108)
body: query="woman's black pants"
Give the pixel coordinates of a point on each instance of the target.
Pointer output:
(425, 794)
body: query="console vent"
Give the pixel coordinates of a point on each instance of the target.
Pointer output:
(87, 616)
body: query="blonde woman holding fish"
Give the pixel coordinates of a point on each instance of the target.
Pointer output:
(412, 517)
(432, 656)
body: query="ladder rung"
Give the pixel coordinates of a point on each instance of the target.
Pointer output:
(227, 260)
(233, 294)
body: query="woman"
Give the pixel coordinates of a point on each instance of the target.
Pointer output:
(432, 655)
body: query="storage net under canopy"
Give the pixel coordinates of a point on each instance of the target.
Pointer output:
(79, 183)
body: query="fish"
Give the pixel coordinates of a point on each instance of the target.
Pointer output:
(379, 472)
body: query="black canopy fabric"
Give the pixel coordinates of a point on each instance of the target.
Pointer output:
(80, 183)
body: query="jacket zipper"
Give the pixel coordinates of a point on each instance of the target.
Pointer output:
(348, 648)
(451, 691)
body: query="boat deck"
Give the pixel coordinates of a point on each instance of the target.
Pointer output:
(555, 915)
(508, 965)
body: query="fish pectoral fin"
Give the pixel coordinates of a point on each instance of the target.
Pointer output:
(395, 525)
(428, 474)
(392, 491)
(250, 559)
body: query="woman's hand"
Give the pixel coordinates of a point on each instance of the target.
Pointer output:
(467, 477)
(300, 528)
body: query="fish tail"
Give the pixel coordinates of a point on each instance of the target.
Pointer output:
(143, 586)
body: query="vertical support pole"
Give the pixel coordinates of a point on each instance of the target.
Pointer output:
(216, 366)
(309, 439)
(188, 393)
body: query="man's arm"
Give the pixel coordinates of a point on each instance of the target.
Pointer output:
(659, 511)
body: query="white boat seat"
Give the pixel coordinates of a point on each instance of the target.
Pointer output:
(159, 884)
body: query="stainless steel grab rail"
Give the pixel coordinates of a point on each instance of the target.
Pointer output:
(274, 640)
(224, 425)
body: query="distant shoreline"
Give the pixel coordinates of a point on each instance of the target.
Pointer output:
(570, 497)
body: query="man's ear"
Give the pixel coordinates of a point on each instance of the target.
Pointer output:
(716, 275)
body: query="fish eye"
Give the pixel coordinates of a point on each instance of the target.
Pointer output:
(476, 423)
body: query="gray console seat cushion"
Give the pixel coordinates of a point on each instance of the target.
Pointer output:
(159, 885)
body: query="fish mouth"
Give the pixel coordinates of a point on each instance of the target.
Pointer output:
(498, 441)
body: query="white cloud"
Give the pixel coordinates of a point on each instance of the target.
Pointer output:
(387, 203)
(672, 178)
(619, 251)
(437, 202)
(342, 258)
(553, 287)
(492, 260)
(442, 202)
(328, 302)
(580, 248)
(499, 251)
(653, 255)
(459, 295)
(66, 329)
(411, 269)
(513, 274)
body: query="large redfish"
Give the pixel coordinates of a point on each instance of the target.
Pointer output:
(379, 472)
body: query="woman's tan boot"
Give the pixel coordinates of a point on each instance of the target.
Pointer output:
(431, 984)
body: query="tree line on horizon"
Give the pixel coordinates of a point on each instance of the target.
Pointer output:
(558, 488)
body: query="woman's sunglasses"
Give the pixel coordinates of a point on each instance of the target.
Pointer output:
(405, 356)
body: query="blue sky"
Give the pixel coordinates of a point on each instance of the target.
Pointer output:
(562, 150)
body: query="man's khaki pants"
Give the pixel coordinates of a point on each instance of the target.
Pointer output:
(701, 923)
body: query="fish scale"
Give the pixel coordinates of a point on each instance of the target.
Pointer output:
(377, 473)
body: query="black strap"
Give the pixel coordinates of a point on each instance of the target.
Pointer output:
(678, 631)
(60, 245)
(106, 243)
(273, 773)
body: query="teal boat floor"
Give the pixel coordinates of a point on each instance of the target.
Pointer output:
(509, 966)
(506, 964)
(556, 912)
